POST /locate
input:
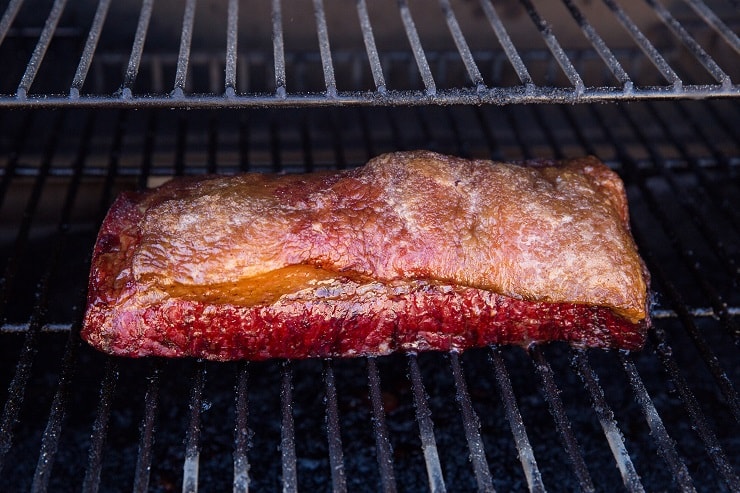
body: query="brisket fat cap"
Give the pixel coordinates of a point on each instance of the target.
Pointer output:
(542, 247)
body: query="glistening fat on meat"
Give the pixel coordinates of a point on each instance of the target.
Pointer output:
(413, 251)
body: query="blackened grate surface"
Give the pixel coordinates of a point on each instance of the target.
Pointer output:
(216, 53)
(666, 418)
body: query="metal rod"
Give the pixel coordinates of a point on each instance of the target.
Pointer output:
(718, 199)
(325, 48)
(554, 45)
(499, 96)
(241, 432)
(146, 431)
(50, 437)
(606, 417)
(687, 255)
(212, 160)
(278, 49)
(713, 20)
(244, 147)
(690, 43)
(426, 428)
(91, 481)
(382, 443)
(308, 162)
(471, 424)
(698, 420)
(287, 431)
(419, 54)
(550, 391)
(645, 45)
(370, 47)
(183, 56)
(600, 46)
(8, 17)
(17, 387)
(232, 29)
(461, 44)
(38, 53)
(506, 43)
(698, 218)
(666, 445)
(89, 51)
(526, 454)
(147, 158)
(333, 432)
(137, 48)
(192, 435)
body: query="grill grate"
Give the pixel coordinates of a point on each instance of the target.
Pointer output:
(229, 56)
(498, 418)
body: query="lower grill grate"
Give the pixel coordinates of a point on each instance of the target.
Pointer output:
(503, 418)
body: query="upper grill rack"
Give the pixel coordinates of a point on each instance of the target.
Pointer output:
(474, 55)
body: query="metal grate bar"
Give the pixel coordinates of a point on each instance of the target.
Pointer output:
(608, 423)
(687, 255)
(278, 49)
(506, 43)
(645, 45)
(183, 57)
(287, 431)
(241, 432)
(462, 45)
(324, 48)
(666, 445)
(50, 437)
(601, 48)
(306, 144)
(370, 46)
(419, 54)
(426, 428)
(336, 133)
(714, 196)
(232, 28)
(526, 454)
(382, 443)
(690, 43)
(554, 45)
(91, 482)
(146, 160)
(683, 198)
(137, 48)
(90, 45)
(180, 144)
(551, 393)
(336, 457)
(711, 18)
(710, 360)
(43, 44)
(547, 132)
(471, 424)
(192, 435)
(8, 17)
(491, 141)
(244, 147)
(146, 431)
(698, 420)
(17, 387)
(212, 160)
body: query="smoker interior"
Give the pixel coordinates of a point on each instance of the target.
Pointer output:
(75, 418)
(507, 418)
